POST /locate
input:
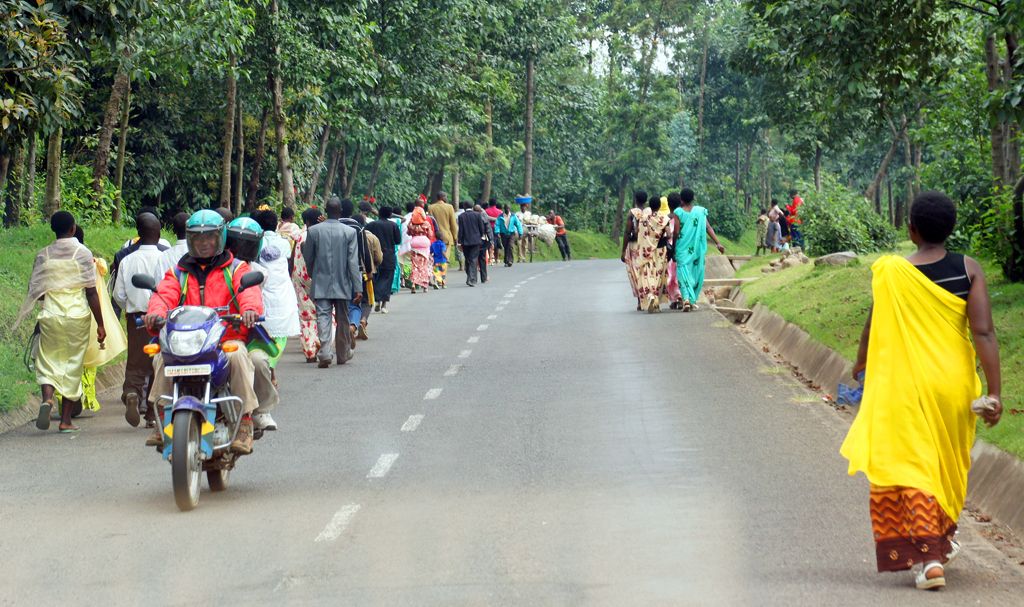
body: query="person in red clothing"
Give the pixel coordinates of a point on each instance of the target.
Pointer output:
(560, 237)
(794, 222)
(201, 279)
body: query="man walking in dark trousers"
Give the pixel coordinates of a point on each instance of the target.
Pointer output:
(472, 229)
(138, 371)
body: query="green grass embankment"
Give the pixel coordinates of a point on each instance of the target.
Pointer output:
(584, 245)
(18, 248)
(831, 304)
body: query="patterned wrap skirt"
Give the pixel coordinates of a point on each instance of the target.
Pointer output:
(909, 527)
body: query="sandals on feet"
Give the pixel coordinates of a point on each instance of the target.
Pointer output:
(43, 420)
(926, 583)
(68, 429)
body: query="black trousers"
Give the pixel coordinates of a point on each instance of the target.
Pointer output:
(481, 260)
(508, 242)
(563, 246)
(472, 252)
(138, 369)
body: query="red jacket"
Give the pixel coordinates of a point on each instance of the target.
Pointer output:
(794, 209)
(214, 292)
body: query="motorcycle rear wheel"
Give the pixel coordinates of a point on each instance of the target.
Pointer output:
(218, 479)
(186, 468)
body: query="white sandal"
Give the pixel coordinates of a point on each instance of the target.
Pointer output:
(954, 551)
(926, 583)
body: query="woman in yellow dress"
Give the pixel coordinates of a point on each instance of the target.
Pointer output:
(64, 279)
(915, 428)
(97, 354)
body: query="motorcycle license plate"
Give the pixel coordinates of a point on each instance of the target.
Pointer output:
(187, 370)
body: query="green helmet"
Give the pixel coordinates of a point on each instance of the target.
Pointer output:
(205, 234)
(245, 238)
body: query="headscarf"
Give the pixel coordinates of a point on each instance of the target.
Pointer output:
(65, 264)
(664, 210)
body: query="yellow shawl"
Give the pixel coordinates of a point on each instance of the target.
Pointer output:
(915, 427)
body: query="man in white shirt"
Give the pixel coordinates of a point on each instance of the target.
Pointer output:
(169, 259)
(138, 372)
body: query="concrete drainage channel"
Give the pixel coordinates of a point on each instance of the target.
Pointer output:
(995, 484)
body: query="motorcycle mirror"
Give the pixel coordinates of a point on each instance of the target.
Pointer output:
(144, 281)
(251, 279)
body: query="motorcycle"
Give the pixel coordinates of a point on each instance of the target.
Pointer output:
(203, 414)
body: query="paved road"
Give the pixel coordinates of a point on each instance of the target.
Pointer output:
(571, 451)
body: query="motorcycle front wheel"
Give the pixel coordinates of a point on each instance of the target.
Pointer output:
(186, 469)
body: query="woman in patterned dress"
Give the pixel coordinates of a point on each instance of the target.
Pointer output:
(300, 277)
(421, 234)
(651, 275)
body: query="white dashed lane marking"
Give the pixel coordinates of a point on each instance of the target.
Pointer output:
(433, 393)
(473, 340)
(482, 328)
(380, 469)
(341, 520)
(412, 423)
(499, 308)
(504, 302)
(465, 353)
(452, 370)
(492, 317)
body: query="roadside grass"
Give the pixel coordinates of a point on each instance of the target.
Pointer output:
(18, 248)
(746, 245)
(832, 303)
(584, 245)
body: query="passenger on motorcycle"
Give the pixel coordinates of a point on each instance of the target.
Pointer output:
(209, 276)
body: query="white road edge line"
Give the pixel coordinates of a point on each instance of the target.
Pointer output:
(433, 393)
(337, 525)
(482, 328)
(380, 469)
(452, 370)
(412, 423)
(473, 339)
(465, 353)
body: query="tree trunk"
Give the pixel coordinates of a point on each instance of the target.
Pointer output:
(332, 170)
(617, 223)
(430, 184)
(376, 169)
(122, 143)
(254, 181)
(908, 161)
(877, 181)
(110, 117)
(817, 168)
(1013, 267)
(5, 189)
(51, 201)
(700, 103)
(993, 73)
(437, 184)
(342, 175)
(746, 166)
(12, 204)
(528, 139)
(30, 173)
(325, 138)
(888, 183)
(918, 151)
(229, 133)
(456, 187)
(737, 181)
(355, 171)
(284, 165)
(240, 172)
(485, 194)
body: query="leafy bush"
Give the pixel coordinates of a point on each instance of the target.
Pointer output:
(839, 219)
(727, 217)
(75, 197)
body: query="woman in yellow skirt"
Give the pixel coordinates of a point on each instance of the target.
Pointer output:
(915, 428)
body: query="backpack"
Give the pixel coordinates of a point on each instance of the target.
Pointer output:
(229, 278)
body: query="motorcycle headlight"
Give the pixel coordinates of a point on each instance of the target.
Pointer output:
(186, 343)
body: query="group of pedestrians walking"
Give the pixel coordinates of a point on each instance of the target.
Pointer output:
(663, 247)
(321, 282)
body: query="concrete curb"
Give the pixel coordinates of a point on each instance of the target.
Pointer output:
(995, 483)
(108, 377)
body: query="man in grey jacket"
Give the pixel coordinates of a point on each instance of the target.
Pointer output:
(331, 252)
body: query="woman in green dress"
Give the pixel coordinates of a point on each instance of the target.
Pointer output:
(691, 246)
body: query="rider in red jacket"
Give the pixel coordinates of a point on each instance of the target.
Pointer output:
(201, 279)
